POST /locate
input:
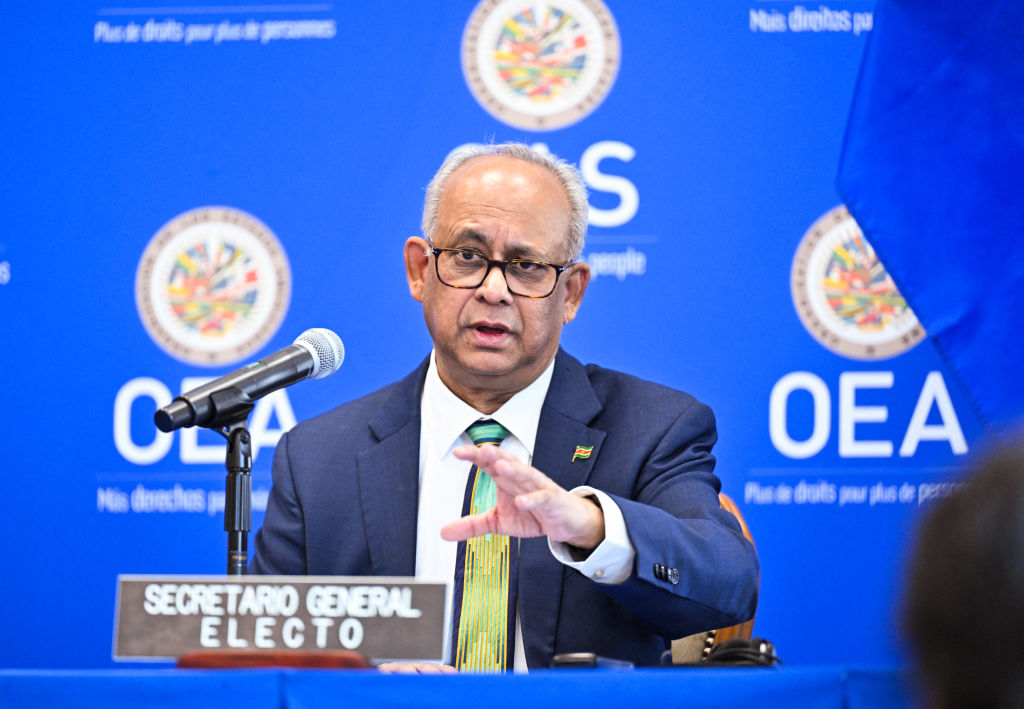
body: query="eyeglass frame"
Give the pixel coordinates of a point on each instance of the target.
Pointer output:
(501, 266)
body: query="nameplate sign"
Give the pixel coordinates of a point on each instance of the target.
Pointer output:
(383, 618)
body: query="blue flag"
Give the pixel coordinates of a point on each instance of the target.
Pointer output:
(933, 172)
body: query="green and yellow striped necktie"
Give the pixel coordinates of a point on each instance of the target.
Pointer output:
(484, 597)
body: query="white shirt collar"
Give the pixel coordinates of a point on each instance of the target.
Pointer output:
(446, 416)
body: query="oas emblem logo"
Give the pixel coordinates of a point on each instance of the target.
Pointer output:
(845, 297)
(212, 286)
(540, 65)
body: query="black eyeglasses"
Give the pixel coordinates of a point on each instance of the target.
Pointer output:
(462, 268)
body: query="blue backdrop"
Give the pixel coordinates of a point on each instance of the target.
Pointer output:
(709, 132)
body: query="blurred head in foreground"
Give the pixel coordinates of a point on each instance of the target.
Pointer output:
(965, 598)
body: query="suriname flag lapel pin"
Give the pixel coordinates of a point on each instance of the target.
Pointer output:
(582, 453)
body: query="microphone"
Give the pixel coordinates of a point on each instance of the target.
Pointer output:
(316, 353)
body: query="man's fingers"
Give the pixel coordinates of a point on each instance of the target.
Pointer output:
(538, 502)
(537, 506)
(511, 475)
(516, 478)
(469, 526)
(482, 455)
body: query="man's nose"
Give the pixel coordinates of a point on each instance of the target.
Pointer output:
(495, 287)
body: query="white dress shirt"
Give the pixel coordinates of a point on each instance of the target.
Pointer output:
(443, 477)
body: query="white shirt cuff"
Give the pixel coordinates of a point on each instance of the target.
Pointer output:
(612, 559)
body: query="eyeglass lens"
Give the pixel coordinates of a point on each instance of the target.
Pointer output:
(468, 269)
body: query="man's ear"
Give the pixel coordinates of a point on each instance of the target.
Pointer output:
(576, 280)
(416, 263)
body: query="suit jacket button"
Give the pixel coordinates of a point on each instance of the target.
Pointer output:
(673, 576)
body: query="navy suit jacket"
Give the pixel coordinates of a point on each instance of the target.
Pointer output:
(344, 502)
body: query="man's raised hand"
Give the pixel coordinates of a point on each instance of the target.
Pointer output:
(529, 504)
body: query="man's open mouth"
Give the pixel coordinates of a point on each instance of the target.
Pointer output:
(490, 329)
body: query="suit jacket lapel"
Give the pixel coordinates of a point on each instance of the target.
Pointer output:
(569, 406)
(389, 479)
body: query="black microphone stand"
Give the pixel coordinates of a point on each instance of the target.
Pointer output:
(233, 409)
(238, 496)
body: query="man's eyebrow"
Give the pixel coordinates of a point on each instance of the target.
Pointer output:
(470, 235)
(478, 239)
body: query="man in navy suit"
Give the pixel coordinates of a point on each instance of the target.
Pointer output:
(605, 480)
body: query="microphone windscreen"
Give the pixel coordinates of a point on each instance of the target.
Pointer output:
(326, 348)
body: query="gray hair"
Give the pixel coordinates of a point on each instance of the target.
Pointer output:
(567, 176)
